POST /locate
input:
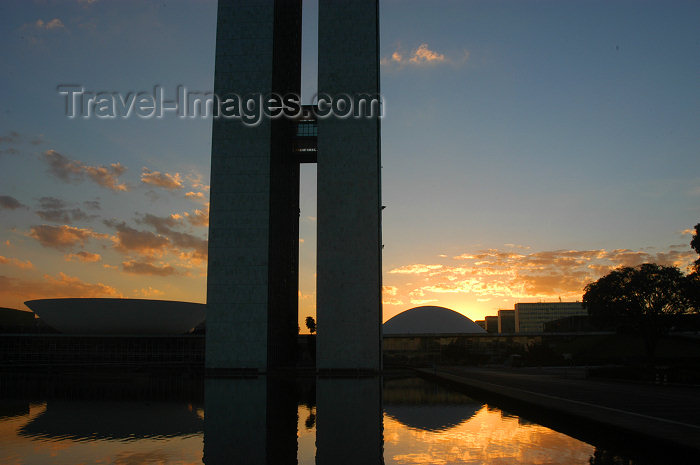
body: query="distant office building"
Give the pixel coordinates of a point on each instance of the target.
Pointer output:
(492, 324)
(531, 317)
(481, 324)
(506, 321)
(570, 324)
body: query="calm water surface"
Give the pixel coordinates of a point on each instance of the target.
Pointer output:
(401, 420)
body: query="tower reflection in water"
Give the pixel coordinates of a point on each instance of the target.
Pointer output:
(307, 421)
(254, 420)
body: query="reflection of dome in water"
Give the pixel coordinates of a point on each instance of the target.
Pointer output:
(431, 320)
(124, 420)
(432, 417)
(118, 316)
(421, 405)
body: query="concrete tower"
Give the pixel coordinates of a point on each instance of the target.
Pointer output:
(254, 225)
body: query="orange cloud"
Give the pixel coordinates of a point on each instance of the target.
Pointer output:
(26, 265)
(85, 257)
(421, 56)
(181, 240)
(74, 170)
(415, 269)
(62, 237)
(196, 181)
(516, 276)
(129, 239)
(48, 25)
(148, 292)
(195, 196)
(134, 267)
(164, 180)
(162, 225)
(199, 217)
(14, 291)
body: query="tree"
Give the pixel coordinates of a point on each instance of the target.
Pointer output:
(693, 279)
(695, 244)
(644, 300)
(311, 324)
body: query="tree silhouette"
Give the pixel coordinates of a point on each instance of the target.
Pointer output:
(695, 244)
(311, 324)
(693, 279)
(644, 300)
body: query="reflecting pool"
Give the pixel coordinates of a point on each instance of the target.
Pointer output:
(268, 420)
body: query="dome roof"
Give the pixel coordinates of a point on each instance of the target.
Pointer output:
(118, 316)
(431, 320)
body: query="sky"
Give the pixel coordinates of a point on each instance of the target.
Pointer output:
(528, 147)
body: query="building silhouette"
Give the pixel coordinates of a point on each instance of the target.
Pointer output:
(506, 321)
(254, 225)
(531, 317)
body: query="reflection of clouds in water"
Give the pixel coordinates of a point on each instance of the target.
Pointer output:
(488, 437)
(141, 458)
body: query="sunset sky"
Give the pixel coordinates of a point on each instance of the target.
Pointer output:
(528, 147)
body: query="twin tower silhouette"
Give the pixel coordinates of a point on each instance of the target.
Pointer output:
(252, 288)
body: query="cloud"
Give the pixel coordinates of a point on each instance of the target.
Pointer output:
(15, 290)
(49, 25)
(8, 202)
(62, 237)
(164, 180)
(196, 181)
(75, 171)
(148, 292)
(162, 225)
(92, 204)
(129, 240)
(85, 257)
(390, 290)
(12, 137)
(136, 267)
(181, 240)
(501, 273)
(200, 217)
(56, 210)
(38, 32)
(107, 176)
(195, 196)
(15, 138)
(389, 295)
(415, 269)
(23, 265)
(190, 241)
(423, 55)
(420, 57)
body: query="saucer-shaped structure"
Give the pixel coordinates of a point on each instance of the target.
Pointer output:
(118, 316)
(431, 320)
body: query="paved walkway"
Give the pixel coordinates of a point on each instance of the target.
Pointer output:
(669, 413)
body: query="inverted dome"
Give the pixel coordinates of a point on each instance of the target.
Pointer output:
(118, 316)
(431, 320)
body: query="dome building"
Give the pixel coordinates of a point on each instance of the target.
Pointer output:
(431, 320)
